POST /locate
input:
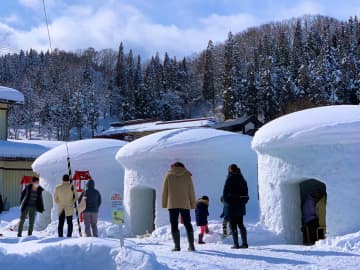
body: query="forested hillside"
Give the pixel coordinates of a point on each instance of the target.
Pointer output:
(266, 71)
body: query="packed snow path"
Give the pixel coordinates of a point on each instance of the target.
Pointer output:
(150, 253)
(221, 256)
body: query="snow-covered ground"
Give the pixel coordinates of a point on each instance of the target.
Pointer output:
(44, 250)
(267, 249)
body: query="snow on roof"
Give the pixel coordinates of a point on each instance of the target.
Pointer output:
(79, 152)
(10, 95)
(25, 148)
(159, 125)
(158, 144)
(321, 125)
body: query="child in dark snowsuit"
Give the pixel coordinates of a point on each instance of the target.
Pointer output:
(201, 213)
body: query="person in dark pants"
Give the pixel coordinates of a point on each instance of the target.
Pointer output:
(65, 196)
(31, 201)
(310, 219)
(93, 202)
(178, 196)
(235, 194)
(225, 222)
(201, 214)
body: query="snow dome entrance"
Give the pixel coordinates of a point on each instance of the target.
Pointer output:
(142, 209)
(293, 194)
(321, 143)
(311, 187)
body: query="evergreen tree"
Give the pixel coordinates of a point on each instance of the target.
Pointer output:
(228, 92)
(208, 81)
(121, 84)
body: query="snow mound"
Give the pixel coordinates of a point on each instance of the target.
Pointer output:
(133, 257)
(95, 155)
(78, 151)
(319, 125)
(206, 152)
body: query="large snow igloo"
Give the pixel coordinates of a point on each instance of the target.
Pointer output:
(95, 155)
(206, 152)
(313, 148)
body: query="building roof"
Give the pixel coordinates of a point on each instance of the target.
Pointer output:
(237, 124)
(24, 150)
(10, 96)
(146, 126)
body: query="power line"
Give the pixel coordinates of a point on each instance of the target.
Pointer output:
(47, 26)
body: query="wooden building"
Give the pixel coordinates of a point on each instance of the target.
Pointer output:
(134, 129)
(16, 157)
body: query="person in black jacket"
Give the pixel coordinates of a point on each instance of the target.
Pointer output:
(31, 201)
(236, 196)
(201, 214)
(93, 202)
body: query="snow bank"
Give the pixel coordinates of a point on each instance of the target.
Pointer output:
(207, 153)
(33, 253)
(95, 155)
(44, 251)
(321, 144)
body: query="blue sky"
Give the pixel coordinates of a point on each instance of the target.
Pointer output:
(180, 27)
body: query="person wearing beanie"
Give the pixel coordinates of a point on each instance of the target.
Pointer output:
(201, 214)
(65, 196)
(235, 194)
(31, 200)
(93, 201)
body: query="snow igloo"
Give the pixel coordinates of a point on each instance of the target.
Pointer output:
(206, 153)
(94, 155)
(301, 151)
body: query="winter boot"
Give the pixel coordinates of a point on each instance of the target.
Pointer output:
(190, 237)
(235, 240)
(224, 227)
(244, 238)
(176, 239)
(200, 241)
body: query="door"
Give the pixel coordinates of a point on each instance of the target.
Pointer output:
(142, 210)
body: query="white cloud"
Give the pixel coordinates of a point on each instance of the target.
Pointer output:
(80, 27)
(301, 8)
(34, 4)
(106, 23)
(11, 19)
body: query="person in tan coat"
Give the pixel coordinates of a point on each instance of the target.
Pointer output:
(178, 196)
(65, 196)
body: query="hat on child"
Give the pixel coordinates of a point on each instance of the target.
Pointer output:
(205, 197)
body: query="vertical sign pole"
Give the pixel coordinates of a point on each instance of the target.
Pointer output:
(117, 213)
